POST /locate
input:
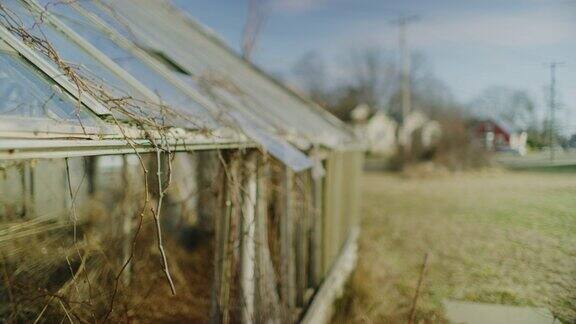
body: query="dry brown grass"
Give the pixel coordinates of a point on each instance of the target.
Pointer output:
(495, 237)
(36, 277)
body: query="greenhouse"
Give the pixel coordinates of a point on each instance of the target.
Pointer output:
(149, 173)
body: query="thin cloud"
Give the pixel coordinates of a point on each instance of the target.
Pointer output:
(295, 6)
(523, 29)
(506, 29)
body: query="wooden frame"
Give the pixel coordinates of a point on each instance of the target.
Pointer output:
(287, 257)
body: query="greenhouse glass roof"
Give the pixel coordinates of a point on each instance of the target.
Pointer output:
(122, 62)
(228, 75)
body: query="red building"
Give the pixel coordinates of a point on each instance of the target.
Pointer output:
(493, 135)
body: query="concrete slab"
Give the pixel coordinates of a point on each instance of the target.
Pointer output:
(459, 312)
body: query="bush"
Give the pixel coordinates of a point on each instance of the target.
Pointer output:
(455, 150)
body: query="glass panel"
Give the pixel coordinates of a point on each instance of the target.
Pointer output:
(69, 52)
(97, 76)
(277, 147)
(255, 125)
(201, 55)
(124, 58)
(25, 93)
(260, 126)
(108, 15)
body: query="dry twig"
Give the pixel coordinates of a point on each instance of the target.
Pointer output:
(412, 318)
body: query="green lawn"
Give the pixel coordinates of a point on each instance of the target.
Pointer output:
(496, 236)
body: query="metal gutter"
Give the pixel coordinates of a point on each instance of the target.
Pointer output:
(57, 148)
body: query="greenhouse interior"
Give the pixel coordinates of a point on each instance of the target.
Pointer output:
(150, 173)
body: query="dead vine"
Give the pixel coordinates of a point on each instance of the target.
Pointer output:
(148, 116)
(151, 118)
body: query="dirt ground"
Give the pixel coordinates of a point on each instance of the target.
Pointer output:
(494, 236)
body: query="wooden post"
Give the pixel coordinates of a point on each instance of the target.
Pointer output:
(28, 190)
(208, 166)
(328, 213)
(247, 249)
(287, 260)
(346, 194)
(192, 159)
(308, 233)
(267, 303)
(358, 176)
(225, 241)
(336, 217)
(317, 220)
(302, 217)
(126, 221)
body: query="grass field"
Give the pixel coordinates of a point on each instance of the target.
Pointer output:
(496, 236)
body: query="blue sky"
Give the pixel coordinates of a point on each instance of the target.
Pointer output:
(470, 44)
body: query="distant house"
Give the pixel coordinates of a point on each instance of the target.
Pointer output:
(497, 135)
(376, 130)
(419, 133)
(383, 136)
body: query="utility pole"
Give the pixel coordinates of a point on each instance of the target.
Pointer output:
(402, 23)
(551, 134)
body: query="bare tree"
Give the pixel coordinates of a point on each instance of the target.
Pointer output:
(429, 94)
(371, 78)
(372, 73)
(515, 107)
(254, 23)
(310, 75)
